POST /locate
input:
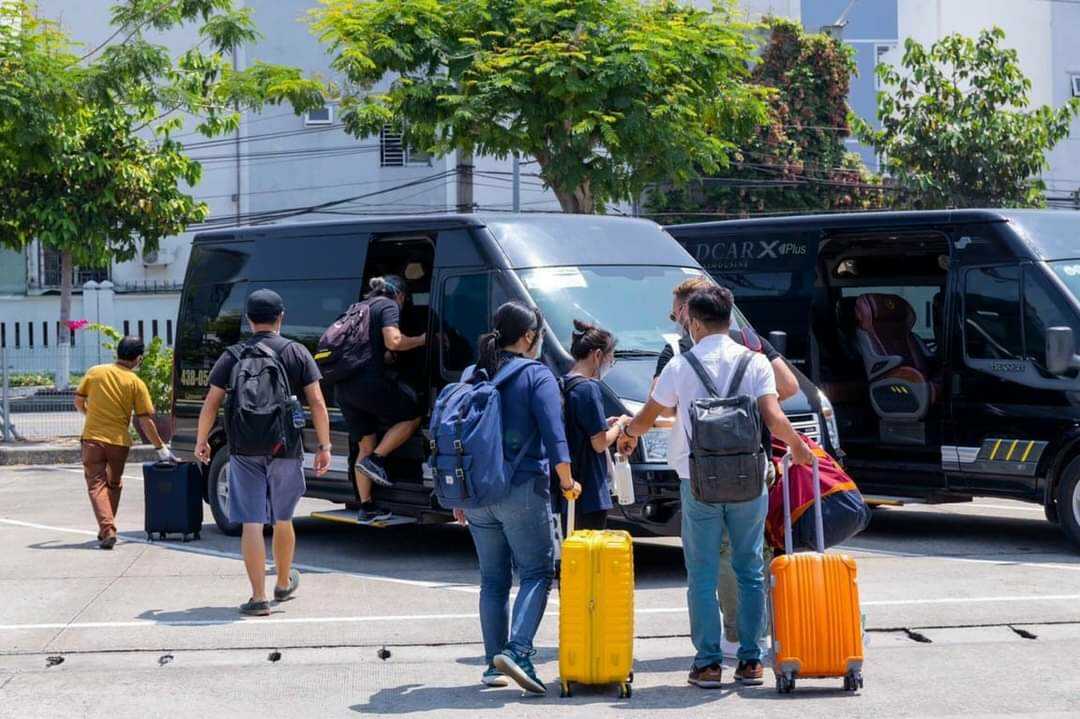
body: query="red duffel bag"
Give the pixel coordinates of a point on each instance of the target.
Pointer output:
(844, 512)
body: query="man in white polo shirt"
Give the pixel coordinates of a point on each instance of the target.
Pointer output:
(703, 523)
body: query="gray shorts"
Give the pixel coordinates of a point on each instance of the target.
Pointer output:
(264, 489)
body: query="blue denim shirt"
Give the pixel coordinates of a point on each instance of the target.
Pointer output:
(530, 401)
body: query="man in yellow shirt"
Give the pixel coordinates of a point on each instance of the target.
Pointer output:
(108, 395)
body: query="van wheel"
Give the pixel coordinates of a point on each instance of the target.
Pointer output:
(1068, 502)
(219, 494)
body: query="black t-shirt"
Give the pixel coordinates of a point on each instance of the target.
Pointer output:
(384, 313)
(299, 365)
(685, 344)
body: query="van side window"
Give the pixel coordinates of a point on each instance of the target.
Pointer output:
(1043, 307)
(465, 316)
(992, 313)
(311, 306)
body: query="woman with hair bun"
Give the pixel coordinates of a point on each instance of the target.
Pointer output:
(516, 533)
(589, 432)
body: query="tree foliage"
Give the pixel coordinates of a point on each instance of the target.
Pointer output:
(797, 161)
(88, 163)
(955, 128)
(607, 95)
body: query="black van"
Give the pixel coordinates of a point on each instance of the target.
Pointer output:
(944, 340)
(617, 272)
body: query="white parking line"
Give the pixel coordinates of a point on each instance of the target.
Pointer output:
(250, 622)
(234, 555)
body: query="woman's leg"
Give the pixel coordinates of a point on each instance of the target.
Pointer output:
(496, 578)
(526, 518)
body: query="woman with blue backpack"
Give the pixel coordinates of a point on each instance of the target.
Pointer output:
(514, 529)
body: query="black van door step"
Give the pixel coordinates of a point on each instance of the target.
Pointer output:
(348, 516)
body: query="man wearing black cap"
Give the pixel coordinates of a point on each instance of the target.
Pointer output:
(265, 489)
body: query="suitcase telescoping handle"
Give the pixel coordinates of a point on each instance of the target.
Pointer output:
(570, 503)
(819, 525)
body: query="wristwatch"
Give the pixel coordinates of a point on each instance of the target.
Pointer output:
(321, 447)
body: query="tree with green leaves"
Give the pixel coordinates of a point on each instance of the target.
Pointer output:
(608, 96)
(797, 161)
(957, 128)
(88, 162)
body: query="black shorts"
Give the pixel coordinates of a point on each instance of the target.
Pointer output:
(373, 403)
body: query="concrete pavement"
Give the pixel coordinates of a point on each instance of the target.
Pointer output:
(991, 585)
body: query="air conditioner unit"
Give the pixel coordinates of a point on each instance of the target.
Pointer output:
(156, 258)
(1076, 85)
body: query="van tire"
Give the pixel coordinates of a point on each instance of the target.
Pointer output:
(1068, 501)
(218, 491)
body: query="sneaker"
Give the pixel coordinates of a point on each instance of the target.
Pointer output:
(284, 595)
(705, 677)
(371, 513)
(374, 471)
(520, 668)
(750, 673)
(494, 678)
(253, 608)
(108, 541)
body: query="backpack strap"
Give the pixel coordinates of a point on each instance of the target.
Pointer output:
(510, 369)
(740, 372)
(568, 385)
(699, 370)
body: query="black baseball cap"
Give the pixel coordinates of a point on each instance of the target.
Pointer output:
(264, 306)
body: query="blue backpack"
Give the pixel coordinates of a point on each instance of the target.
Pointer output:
(468, 464)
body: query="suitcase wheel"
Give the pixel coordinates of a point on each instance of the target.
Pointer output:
(149, 536)
(853, 681)
(565, 690)
(625, 690)
(785, 683)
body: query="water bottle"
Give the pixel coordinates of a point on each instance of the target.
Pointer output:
(298, 420)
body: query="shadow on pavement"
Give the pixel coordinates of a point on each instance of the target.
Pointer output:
(201, 615)
(55, 544)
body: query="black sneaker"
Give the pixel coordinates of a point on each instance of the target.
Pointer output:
(374, 471)
(371, 513)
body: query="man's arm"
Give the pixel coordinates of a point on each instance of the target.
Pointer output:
(778, 424)
(321, 419)
(146, 422)
(639, 425)
(397, 342)
(80, 404)
(207, 415)
(786, 383)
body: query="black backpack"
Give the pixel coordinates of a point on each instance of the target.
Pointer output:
(345, 346)
(566, 385)
(257, 407)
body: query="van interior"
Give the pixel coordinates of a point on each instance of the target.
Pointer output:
(411, 257)
(878, 316)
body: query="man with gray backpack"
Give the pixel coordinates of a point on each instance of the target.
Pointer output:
(721, 392)
(259, 381)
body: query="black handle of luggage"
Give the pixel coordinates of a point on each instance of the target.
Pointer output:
(819, 524)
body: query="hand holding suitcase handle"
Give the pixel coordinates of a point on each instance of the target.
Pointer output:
(819, 525)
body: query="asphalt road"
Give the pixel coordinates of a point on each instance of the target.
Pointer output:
(972, 610)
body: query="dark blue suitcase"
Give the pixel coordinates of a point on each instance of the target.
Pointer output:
(174, 499)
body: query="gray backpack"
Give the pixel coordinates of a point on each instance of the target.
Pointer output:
(727, 461)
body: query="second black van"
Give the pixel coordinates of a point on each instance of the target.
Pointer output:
(945, 340)
(616, 272)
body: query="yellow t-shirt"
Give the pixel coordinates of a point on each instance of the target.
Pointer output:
(112, 393)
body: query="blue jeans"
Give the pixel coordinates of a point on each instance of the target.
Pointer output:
(702, 538)
(513, 534)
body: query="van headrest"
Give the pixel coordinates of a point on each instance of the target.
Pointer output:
(873, 310)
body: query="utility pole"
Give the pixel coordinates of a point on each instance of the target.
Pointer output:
(517, 183)
(465, 202)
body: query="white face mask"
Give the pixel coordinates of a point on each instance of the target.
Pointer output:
(603, 370)
(539, 349)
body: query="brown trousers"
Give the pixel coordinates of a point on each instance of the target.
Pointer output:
(103, 466)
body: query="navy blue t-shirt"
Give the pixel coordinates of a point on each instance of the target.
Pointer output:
(584, 419)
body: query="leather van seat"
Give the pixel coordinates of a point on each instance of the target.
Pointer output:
(897, 362)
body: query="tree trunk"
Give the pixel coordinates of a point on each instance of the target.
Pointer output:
(63, 344)
(579, 200)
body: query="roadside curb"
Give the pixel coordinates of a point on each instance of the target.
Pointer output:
(53, 454)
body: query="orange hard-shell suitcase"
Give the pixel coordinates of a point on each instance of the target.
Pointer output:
(814, 598)
(596, 609)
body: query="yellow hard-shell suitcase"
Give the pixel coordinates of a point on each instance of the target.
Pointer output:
(596, 609)
(816, 618)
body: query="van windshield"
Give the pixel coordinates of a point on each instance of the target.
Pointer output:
(631, 301)
(1068, 271)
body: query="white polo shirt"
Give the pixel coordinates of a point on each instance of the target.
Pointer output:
(679, 385)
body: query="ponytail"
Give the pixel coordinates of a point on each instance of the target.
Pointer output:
(587, 338)
(512, 321)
